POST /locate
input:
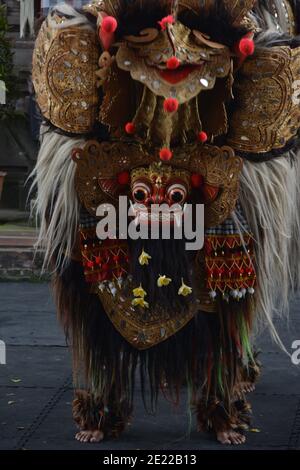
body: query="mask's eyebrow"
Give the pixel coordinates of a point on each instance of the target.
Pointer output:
(145, 35)
(204, 39)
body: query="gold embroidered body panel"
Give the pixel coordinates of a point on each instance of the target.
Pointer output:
(266, 110)
(64, 65)
(144, 328)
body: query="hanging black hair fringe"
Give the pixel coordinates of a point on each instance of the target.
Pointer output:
(206, 354)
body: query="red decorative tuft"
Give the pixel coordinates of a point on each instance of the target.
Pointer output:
(124, 178)
(109, 25)
(173, 63)
(246, 46)
(202, 137)
(196, 180)
(130, 128)
(76, 152)
(106, 32)
(171, 105)
(90, 264)
(165, 154)
(165, 21)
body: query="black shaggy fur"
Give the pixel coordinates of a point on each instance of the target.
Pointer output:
(140, 14)
(296, 7)
(216, 22)
(194, 354)
(170, 258)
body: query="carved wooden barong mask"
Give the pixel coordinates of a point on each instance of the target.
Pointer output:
(172, 51)
(101, 169)
(138, 74)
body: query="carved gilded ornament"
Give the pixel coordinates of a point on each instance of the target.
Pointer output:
(98, 166)
(267, 98)
(64, 65)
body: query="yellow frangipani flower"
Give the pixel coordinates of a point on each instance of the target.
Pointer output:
(144, 258)
(185, 290)
(163, 281)
(139, 292)
(140, 302)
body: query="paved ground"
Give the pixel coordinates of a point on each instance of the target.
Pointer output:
(17, 260)
(35, 387)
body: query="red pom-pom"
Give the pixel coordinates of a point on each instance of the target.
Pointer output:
(173, 63)
(202, 137)
(130, 128)
(246, 46)
(171, 105)
(165, 154)
(109, 24)
(196, 180)
(76, 154)
(165, 21)
(124, 178)
(90, 264)
(98, 260)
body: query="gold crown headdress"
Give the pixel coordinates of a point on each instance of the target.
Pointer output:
(163, 172)
(238, 9)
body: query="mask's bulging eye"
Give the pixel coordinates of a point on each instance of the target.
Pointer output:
(141, 193)
(177, 193)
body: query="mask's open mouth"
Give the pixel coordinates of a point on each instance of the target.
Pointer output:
(144, 215)
(178, 75)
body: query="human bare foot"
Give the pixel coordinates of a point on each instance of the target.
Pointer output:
(244, 387)
(89, 436)
(231, 437)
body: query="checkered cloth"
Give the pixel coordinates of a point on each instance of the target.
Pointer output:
(87, 220)
(228, 227)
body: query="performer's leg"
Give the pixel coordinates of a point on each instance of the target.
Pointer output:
(226, 417)
(248, 377)
(221, 406)
(97, 421)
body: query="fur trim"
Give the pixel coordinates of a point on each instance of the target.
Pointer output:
(270, 199)
(214, 415)
(88, 412)
(217, 22)
(56, 206)
(252, 372)
(91, 414)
